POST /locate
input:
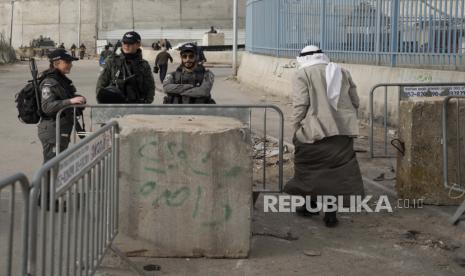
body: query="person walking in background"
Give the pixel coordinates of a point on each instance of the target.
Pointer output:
(73, 50)
(325, 104)
(104, 54)
(82, 51)
(161, 63)
(165, 43)
(156, 46)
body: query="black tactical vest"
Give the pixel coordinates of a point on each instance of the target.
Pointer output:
(195, 78)
(130, 79)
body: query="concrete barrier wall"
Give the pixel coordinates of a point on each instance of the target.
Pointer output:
(214, 57)
(274, 75)
(60, 19)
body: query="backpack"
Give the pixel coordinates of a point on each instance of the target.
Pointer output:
(28, 105)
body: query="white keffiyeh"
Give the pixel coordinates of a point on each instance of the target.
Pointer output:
(333, 73)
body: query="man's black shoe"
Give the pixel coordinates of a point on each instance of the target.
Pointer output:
(330, 219)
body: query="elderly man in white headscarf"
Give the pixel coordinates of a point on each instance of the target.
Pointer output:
(325, 103)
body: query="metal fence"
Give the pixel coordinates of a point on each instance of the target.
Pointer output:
(74, 210)
(102, 113)
(384, 116)
(379, 32)
(13, 239)
(456, 149)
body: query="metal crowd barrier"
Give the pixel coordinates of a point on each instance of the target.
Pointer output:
(12, 182)
(102, 113)
(459, 186)
(74, 210)
(385, 109)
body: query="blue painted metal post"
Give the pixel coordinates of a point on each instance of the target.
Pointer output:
(394, 32)
(322, 25)
(378, 32)
(278, 25)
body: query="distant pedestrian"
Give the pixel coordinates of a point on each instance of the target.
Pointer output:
(73, 50)
(212, 30)
(62, 46)
(201, 59)
(156, 46)
(104, 54)
(201, 56)
(161, 62)
(165, 43)
(325, 104)
(82, 51)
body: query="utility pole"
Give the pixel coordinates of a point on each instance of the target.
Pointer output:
(234, 57)
(79, 25)
(132, 10)
(59, 21)
(11, 24)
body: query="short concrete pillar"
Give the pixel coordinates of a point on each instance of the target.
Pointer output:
(420, 170)
(185, 186)
(213, 39)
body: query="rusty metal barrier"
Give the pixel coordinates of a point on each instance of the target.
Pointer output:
(102, 113)
(458, 186)
(406, 90)
(8, 251)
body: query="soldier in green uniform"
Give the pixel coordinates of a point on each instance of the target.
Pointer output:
(128, 74)
(57, 92)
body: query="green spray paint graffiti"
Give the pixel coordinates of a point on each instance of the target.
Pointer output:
(154, 152)
(179, 159)
(179, 197)
(173, 199)
(147, 188)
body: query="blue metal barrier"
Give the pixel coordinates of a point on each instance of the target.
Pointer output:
(379, 32)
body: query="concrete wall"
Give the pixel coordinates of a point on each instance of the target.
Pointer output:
(274, 75)
(59, 19)
(213, 57)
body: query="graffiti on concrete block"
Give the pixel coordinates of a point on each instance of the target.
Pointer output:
(175, 198)
(176, 157)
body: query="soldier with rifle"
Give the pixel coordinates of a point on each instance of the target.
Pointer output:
(56, 91)
(126, 78)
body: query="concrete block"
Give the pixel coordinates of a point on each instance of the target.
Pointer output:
(185, 186)
(420, 170)
(213, 39)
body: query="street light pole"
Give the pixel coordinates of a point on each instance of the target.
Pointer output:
(234, 57)
(79, 24)
(132, 11)
(11, 24)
